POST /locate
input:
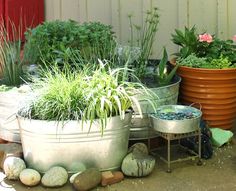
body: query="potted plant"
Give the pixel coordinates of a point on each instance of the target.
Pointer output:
(83, 116)
(156, 75)
(207, 66)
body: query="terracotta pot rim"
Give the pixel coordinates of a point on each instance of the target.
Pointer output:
(207, 69)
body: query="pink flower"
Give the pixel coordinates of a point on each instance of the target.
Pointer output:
(205, 38)
(234, 38)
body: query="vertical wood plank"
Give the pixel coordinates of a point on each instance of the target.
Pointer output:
(52, 9)
(168, 22)
(231, 18)
(203, 14)
(133, 8)
(99, 11)
(70, 10)
(115, 18)
(182, 14)
(222, 19)
(83, 11)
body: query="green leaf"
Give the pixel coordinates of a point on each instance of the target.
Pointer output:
(162, 64)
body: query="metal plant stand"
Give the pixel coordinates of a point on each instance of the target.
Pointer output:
(178, 136)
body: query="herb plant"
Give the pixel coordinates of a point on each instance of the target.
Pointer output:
(52, 41)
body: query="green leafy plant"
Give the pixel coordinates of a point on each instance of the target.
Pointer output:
(163, 76)
(187, 40)
(73, 95)
(193, 61)
(52, 41)
(205, 46)
(11, 60)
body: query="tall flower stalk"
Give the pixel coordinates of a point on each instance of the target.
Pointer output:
(145, 35)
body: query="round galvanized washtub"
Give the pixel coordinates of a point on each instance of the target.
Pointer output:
(49, 143)
(141, 127)
(214, 89)
(9, 104)
(176, 126)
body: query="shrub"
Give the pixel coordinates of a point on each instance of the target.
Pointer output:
(56, 41)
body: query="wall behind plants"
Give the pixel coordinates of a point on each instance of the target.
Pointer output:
(214, 16)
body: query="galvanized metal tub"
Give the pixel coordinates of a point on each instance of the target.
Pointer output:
(9, 104)
(141, 127)
(49, 143)
(176, 126)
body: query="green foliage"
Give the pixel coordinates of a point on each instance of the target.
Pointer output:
(72, 95)
(222, 48)
(145, 40)
(221, 63)
(198, 62)
(193, 61)
(10, 57)
(163, 76)
(187, 40)
(52, 41)
(217, 50)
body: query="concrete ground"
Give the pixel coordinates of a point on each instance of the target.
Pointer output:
(218, 173)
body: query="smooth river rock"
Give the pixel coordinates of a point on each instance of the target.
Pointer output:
(139, 148)
(87, 180)
(30, 177)
(55, 177)
(12, 167)
(138, 164)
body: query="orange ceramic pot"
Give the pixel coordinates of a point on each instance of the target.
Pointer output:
(214, 90)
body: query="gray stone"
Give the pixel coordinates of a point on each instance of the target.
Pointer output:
(55, 177)
(139, 148)
(87, 180)
(12, 167)
(10, 149)
(30, 177)
(138, 164)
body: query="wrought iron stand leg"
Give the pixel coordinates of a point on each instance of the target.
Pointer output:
(168, 154)
(149, 139)
(199, 147)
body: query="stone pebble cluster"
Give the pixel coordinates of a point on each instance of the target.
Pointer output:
(137, 163)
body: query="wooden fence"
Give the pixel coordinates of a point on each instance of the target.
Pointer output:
(213, 16)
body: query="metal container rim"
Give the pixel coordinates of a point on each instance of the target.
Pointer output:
(176, 106)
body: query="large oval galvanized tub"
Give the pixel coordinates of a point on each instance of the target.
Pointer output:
(141, 127)
(214, 89)
(49, 143)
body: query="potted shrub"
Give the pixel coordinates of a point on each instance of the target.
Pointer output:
(207, 66)
(83, 116)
